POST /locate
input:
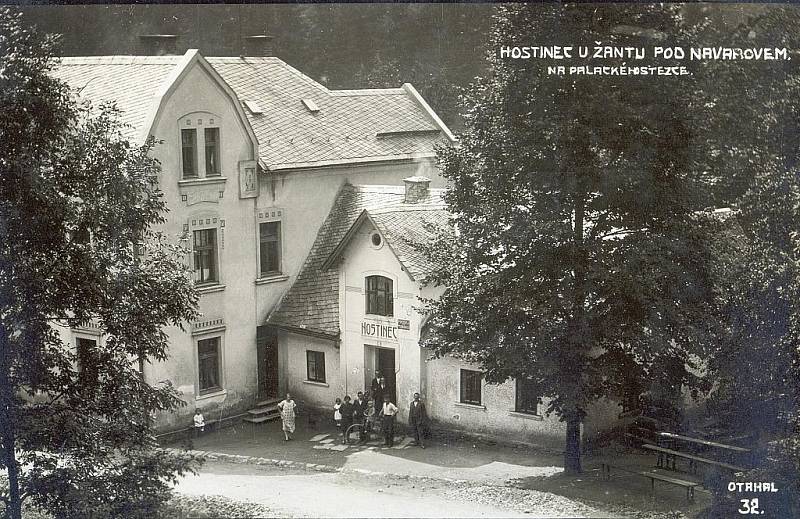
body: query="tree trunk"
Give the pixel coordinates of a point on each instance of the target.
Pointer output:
(578, 335)
(572, 450)
(14, 510)
(7, 435)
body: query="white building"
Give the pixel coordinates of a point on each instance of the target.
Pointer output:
(253, 154)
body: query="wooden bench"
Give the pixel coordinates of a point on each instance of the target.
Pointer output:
(653, 477)
(707, 443)
(665, 456)
(634, 439)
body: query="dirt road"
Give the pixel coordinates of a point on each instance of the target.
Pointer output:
(296, 493)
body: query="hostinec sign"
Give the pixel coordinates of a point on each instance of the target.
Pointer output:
(378, 330)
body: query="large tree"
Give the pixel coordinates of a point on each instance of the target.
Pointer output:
(78, 205)
(578, 258)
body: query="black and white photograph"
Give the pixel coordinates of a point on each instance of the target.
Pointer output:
(401, 259)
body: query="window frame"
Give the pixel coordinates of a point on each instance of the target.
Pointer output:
(316, 356)
(378, 295)
(213, 255)
(193, 154)
(217, 340)
(278, 241)
(523, 390)
(463, 386)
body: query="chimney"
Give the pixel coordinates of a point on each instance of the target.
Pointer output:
(257, 45)
(158, 44)
(416, 189)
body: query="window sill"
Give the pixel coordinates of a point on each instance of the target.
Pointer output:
(526, 416)
(315, 383)
(470, 406)
(275, 278)
(379, 317)
(202, 181)
(207, 289)
(211, 394)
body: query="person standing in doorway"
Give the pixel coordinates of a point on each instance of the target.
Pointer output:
(389, 411)
(384, 389)
(375, 391)
(347, 417)
(417, 420)
(287, 407)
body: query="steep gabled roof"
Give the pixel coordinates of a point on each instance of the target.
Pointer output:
(312, 304)
(129, 81)
(401, 225)
(350, 126)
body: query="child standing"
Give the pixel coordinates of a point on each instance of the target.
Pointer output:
(337, 414)
(199, 423)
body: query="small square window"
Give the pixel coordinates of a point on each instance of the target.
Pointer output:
(527, 398)
(471, 387)
(208, 356)
(315, 366)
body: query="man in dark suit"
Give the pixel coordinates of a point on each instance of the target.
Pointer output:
(418, 419)
(347, 417)
(359, 406)
(378, 390)
(373, 387)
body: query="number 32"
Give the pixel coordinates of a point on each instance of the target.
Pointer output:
(749, 506)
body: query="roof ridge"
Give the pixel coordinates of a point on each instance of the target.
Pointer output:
(119, 60)
(240, 58)
(348, 92)
(407, 208)
(389, 187)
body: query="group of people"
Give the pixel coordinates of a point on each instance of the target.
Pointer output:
(360, 411)
(377, 406)
(366, 410)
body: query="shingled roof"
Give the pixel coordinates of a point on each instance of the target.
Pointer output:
(312, 304)
(129, 81)
(349, 126)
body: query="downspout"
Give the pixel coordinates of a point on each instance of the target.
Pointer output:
(343, 321)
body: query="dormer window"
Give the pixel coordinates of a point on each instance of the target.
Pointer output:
(212, 152)
(380, 300)
(189, 152)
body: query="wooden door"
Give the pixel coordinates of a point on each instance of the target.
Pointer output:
(385, 363)
(267, 359)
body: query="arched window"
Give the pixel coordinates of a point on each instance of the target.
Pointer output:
(380, 300)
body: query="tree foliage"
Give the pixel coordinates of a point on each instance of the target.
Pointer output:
(755, 361)
(579, 256)
(78, 205)
(755, 365)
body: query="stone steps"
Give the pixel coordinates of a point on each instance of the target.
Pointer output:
(264, 411)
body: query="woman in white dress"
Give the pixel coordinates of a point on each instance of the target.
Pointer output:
(287, 406)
